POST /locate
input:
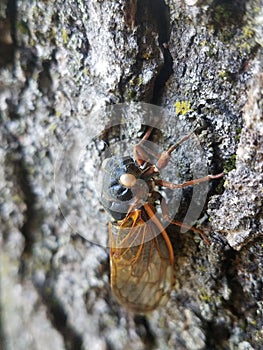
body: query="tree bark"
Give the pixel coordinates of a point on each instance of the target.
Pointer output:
(59, 62)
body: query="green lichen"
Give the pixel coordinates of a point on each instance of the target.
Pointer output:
(86, 71)
(65, 36)
(246, 40)
(147, 56)
(252, 322)
(248, 32)
(204, 296)
(17, 199)
(135, 85)
(238, 134)
(23, 27)
(230, 164)
(52, 127)
(136, 81)
(204, 43)
(201, 269)
(140, 80)
(131, 94)
(182, 107)
(52, 34)
(224, 74)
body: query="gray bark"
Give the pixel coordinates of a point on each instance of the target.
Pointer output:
(59, 61)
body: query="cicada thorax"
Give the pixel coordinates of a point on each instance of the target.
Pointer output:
(132, 231)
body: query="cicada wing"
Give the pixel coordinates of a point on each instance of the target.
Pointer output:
(142, 274)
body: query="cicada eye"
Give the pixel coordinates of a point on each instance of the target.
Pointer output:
(128, 180)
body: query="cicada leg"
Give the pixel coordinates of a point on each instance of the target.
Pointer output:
(139, 153)
(181, 224)
(173, 186)
(163, 158)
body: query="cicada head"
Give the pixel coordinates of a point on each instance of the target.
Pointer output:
(120, 177)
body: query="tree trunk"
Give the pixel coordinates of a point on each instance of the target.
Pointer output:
(60, 62)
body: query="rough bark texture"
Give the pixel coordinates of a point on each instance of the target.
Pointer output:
(58, 61)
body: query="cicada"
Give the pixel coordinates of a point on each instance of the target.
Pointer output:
(141, 253)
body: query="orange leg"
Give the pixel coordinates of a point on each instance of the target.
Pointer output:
(165, 156)
(181, 224)
(141, 156)
(152, 215)
(163, 159)
(173, 186)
